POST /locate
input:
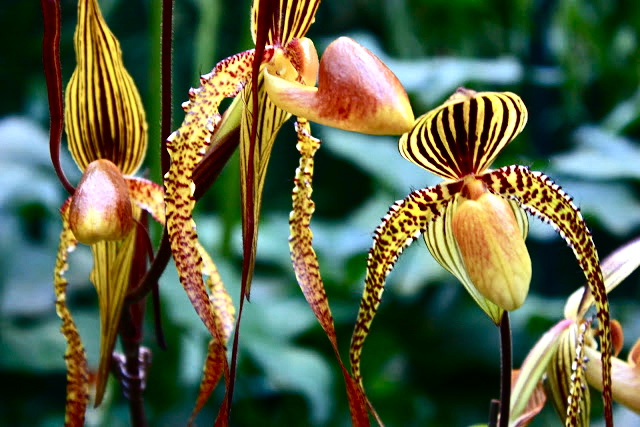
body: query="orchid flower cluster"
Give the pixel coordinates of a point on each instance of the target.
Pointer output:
(474, 222)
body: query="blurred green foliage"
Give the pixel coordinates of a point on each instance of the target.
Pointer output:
(432, 357)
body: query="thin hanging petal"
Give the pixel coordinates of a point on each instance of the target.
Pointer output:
(403, 223)
(292, 19)
(75, 358)
(465, 134)
(543, 198)
(110, 276)
(305, 261)
(105, 117)
(254, 159)
(615, 268)
(223, 312)
(187, 146)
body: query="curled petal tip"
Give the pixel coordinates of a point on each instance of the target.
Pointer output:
(101, 207)
(355, 92)
(493, 250)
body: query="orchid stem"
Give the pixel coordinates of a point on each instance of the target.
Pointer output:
(505, 369)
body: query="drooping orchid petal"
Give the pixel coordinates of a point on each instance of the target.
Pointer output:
(306, 266)
(104, 115)
(187, 146)
(75, 358)
(475, 223)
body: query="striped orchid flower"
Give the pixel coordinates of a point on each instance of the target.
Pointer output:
(475, 223)
(566, 358)
(355, 91)
(107, 137)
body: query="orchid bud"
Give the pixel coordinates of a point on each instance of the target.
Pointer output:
(101, 206)
(491, 246)
(355, 92)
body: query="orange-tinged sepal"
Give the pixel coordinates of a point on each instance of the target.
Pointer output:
(355, 92)
(101, 207)
(492, 247)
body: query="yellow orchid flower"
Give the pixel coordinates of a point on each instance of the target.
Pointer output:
(474, 223)
(356, 92)
(566, 359)
(107, 137)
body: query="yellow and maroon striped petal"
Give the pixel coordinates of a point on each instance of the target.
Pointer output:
(254, 159)
(465, 134)
(75, 358)
(291, 19)
(566, 382)
(545, 199)
(110, 276)
(224, 315)
(305, 262)
(403, 223)
(187, 145)
(104, 115)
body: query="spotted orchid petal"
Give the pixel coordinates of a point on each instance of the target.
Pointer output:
(104, 115)
(148, 196)
(187, 146)
(404, 222)
(465, 134)
(615, 268)
(625, 376)
(544, 199)
(305, 262)
(75, 358)
(223, 312)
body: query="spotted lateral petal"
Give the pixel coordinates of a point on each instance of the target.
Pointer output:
(104, 114)
(223, 312)
(543, 198)
(110, 276)
(75, 358)
(148, 195)
(292, 19)
(566, 383)
(464, 135)
(442, 245)
(305, 262)
(254, 159)
(403, 223)
(187, 145)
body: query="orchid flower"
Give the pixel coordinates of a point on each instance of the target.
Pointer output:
(565, 359)
(107, 138)
(356, 92)
(474, 223)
